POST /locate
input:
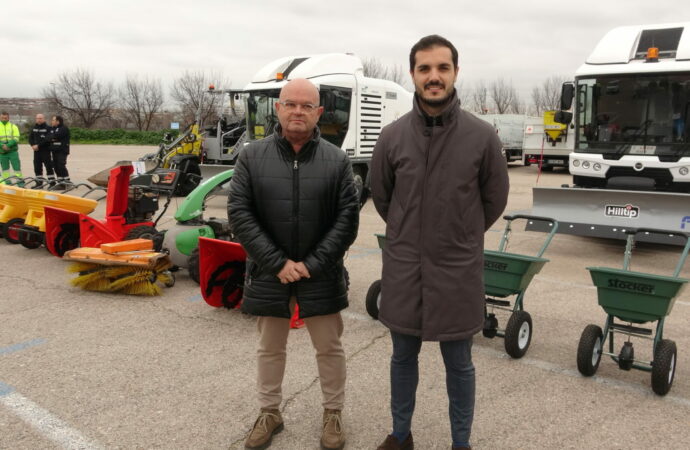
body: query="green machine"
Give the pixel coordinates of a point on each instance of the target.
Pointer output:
(181, 240)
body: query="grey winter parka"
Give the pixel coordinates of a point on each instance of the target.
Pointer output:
(439, 184)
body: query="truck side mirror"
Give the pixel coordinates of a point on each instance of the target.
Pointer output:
(567, 93)
(563, 117)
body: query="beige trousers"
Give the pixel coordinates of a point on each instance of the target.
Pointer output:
(325, 333)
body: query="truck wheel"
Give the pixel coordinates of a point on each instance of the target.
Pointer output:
(589, 350)
(193, 265)
(141, 232)
(373, 299)
(664, 366)
(362, 191)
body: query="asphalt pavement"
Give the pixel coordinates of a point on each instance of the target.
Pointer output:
(93, 370)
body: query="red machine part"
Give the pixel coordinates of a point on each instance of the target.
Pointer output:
(221, 275)
(66, 230)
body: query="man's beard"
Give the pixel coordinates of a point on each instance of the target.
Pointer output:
(435, 102)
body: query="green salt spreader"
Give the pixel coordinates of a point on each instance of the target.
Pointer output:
(631, 299)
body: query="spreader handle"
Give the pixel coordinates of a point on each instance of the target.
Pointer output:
(683, 256)
(528, 217)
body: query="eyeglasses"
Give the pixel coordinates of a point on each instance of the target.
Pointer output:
(292, 106)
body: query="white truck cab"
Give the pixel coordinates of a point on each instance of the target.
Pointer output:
(632, 110)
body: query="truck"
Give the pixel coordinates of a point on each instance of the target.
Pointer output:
(510, 130)
(356, 107)
(630, 105)
(546, 142)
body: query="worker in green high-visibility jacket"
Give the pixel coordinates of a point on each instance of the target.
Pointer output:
(9, 146)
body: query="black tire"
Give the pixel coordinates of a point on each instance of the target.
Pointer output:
(141, 232)
(547, 168)
(518, 334)
(30, 239)
(193, 265)
(589, 350)
(664, 366)
(190, 178)
(373, 299)
(67, 239)
(11, 230)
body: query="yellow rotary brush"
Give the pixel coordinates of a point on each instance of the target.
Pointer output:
(128, 267)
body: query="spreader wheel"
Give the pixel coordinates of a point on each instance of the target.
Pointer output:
(664, 366)
(373, 300)
(589, 350)
(490, 326)
(11, 230)
(518, 334)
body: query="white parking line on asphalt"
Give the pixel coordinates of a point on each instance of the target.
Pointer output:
(45, 423)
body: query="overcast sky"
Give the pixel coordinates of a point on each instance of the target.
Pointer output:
(524, 41)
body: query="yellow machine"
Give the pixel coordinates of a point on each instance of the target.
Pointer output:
(182, 153)
(553, 129)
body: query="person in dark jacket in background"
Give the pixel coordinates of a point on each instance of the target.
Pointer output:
(439, 181)
(38, 139)
(59, 150)
(293, 206)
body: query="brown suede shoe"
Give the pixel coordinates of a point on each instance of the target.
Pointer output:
(392, 443)
(333, 436)
(270, 422)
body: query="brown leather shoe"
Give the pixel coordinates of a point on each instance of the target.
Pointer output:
(270, 422)
(333, 436)
(392, 443)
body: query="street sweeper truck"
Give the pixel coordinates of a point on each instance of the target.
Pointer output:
(356, 107)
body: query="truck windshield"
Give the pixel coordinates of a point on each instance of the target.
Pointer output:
(333, 123)
(634, 114)
(261, 113)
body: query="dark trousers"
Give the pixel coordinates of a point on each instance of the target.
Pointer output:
(42, 157)
(60, 163)
(457, 357)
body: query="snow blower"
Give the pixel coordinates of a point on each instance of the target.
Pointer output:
(221, 275)
(129, 214)
(127, 267)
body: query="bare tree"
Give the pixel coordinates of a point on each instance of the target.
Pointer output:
(479, 96)
(374, 68)
(464, 95)
(190, 93)
(547, 96)
(503, 95)
(79, 96)
(141, 100)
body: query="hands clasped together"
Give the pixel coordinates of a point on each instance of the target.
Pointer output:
(293, 271)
